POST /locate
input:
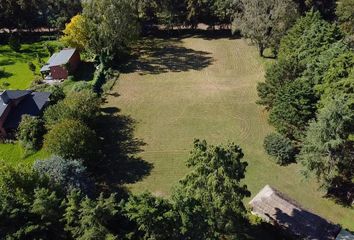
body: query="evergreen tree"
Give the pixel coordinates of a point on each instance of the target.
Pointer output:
(328, 147)
(215, 182)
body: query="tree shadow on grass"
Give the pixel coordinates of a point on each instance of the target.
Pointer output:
(85, 72)
(119, 163)
(156, 56)
(342, 192)
(306, 225)
(6, 62)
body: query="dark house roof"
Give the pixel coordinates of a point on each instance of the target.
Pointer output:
(60, 58)
(32, 103)
(273, 206)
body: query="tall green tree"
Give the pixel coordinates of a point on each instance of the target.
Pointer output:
(71, 139)
(215, 182)
(83, 106)
(112, 24)
(154, 216)
(30, 132)
(345, 14)
(266, 21)
(29, 206)
(89, 219)
(328, 147)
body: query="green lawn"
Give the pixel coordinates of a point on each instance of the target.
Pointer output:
(15, 64)
(206, 88)
(14, 154)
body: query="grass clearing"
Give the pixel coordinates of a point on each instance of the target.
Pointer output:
(15, 64)
(192, 87)
(14, 154)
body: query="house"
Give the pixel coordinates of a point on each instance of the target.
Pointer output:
(16, 103)
(274, 207)
(62, 64)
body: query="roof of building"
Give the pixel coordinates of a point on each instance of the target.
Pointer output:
(31, 104)
(273, 206)
(10, 95)
(345, 235)
(59, 58)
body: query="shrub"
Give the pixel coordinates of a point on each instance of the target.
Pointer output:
(32, 67)
(280, 148)
(69, 174)
(80, 86)
(30, 132)
(49, 48)
(56, 93)
(5, 84)
(2, 72)
(71, 139)
(36, 81)
(71, 78)
(15, 43)
(83, 106)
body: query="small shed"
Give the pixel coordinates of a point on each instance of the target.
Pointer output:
(60, 65)
(274, 207)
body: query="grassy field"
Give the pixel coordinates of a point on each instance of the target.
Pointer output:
(181, 89)
(14, 154)
(15, 64)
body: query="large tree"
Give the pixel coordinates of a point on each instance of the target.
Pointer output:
(290, 89)
(83, 106)
(328, 147)
(71, 139)
(215, 182)
(266, 21)
(29, 206)
(112, 24)
(345, 14)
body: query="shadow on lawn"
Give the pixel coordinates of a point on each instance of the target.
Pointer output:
(119, 163)
(156, 56)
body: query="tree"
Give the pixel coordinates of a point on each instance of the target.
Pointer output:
(280, 148)
(83, 106)
(88, 219)
(56, 93)
(328, 149)
(277, 76)
(325, 7)
(110, 36)
(30, 132)
(345, 14)
(155, 217)
(29, 206)
(70, 174)
(304, 56)
(15, 42)
(226, 10)
(75, 33)
(308, 38)
(215, 182)
(71, 139)
(266, 21)
(294, 106)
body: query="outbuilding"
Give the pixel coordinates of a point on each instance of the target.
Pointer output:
(274, 207)
(62, 64)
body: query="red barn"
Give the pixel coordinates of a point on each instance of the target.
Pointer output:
(62, 64)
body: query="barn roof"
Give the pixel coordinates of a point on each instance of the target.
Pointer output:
(273, 206)
(59, 58)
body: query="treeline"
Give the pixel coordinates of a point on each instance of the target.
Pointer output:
(309, 94)
(30, 15)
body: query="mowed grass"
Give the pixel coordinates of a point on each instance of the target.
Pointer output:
(15, 64)
(14, 154)
(182, 89)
